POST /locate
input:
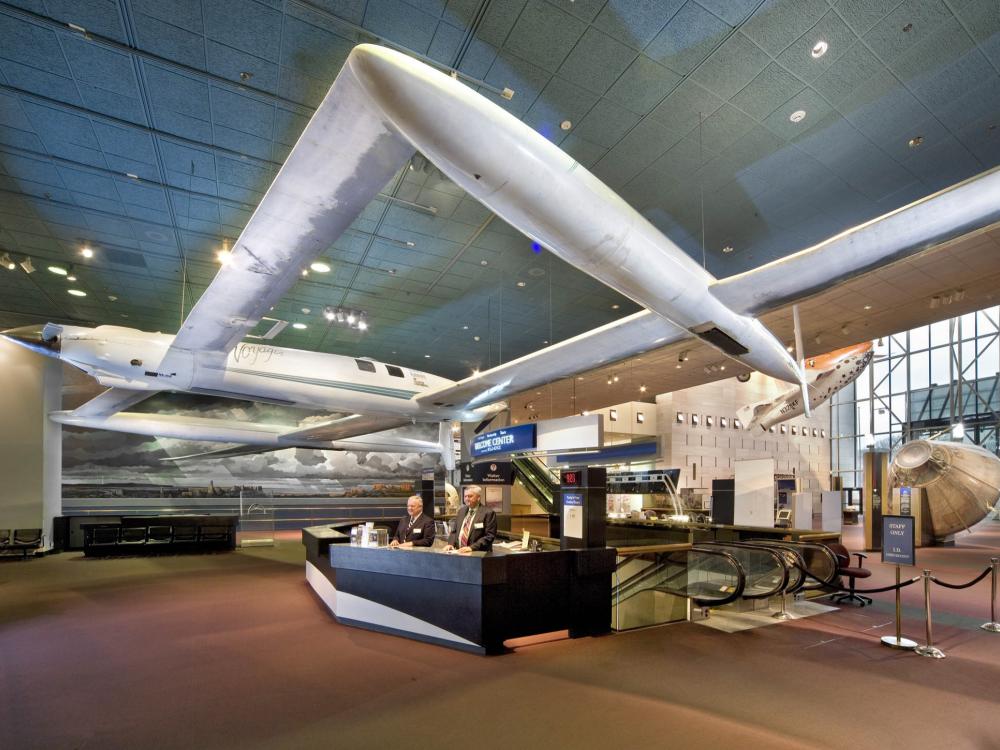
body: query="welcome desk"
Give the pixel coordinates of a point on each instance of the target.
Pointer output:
(471, 602)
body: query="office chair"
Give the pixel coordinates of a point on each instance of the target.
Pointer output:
(852, 574)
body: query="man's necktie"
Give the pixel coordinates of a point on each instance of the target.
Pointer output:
(463, 539)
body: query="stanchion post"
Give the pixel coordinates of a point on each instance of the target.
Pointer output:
(993, 626)
(782, 614)
(928, 650)
(898, 641)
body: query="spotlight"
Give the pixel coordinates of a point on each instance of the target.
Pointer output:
(7, 262)
(351, 317)
(683, 356)
(27, 265)
(86, 252)
(329, 314)
(363, 322)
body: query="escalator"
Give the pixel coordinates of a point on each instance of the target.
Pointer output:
(539, 481)
(712, 574)
(709, 577)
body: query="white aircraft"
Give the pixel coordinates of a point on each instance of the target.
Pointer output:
(381, 109)
(825, 375)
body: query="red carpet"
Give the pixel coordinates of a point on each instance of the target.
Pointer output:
(234, 651)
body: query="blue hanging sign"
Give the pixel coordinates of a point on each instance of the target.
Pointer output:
(898, 540)
(506, 440)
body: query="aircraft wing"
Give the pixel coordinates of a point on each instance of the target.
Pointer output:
(345, 155)
(342, 428)
(631, 335)
(969, 206)
(112, 401)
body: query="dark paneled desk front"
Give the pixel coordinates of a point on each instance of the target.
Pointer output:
(472, 602)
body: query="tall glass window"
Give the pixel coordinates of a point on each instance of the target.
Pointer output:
(921, 383)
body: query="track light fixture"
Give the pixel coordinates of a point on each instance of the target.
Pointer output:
(7, 262)
(351, 318)
(27, 265)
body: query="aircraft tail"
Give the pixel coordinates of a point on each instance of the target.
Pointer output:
(748, 414)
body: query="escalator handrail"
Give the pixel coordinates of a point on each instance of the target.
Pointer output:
(821, 548)
(542, 494)
(783, 585)
(657, 566)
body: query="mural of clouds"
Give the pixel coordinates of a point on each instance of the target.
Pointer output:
(96, 457)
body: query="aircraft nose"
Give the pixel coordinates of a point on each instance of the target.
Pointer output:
(34, 338)
(376, 64)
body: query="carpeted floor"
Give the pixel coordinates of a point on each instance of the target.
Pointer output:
(234, 651)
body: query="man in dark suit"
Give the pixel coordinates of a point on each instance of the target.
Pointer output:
(416, 530)
(475, 526)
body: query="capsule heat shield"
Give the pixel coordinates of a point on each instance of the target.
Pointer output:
(961, 482)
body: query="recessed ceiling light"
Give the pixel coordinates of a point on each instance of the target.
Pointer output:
(475, 338)
(908, 28)
(566, 124)
(615, 306)
(87, 252)
(546, 341)
(798, 115)
(868, 307)
(245, 75)
(819, 49)
(465, 328)
(678, 366)
(77, 292)
(58, 270)
(112, 298)
(306, 310)
(299, 326)
(427, 356)
(484, 262)
(521, 284)
(727, 249)
(71, 277)
(319, 267)
(580, 378)
(915, 141)
(305, 271)
(642, 389)
(223, 256)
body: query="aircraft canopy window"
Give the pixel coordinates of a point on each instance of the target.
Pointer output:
(365, 365)
(394, 371)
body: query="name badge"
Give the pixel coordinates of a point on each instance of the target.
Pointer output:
(417, 531)
(477, 526)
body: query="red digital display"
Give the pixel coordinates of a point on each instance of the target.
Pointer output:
(571, 478)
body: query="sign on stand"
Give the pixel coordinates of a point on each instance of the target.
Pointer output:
(898, 540)
(899, 548)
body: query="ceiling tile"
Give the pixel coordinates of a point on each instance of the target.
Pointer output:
(597, 61)
(643, 85)
(544, 35)
(731, 66)
(636, 22)
(690, 37)
(778, 23)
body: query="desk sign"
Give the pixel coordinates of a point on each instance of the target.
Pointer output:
(506, 440)
(898, 540)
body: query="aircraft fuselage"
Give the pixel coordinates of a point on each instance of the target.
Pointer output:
(127, 358)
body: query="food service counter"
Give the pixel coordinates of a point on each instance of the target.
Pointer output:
(472, 602)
